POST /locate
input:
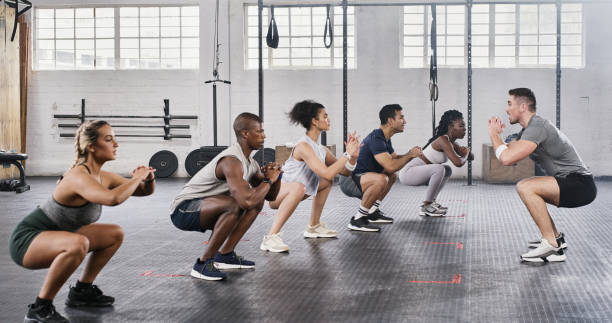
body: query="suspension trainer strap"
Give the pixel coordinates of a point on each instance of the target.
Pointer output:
(272, 36)
(329, 27)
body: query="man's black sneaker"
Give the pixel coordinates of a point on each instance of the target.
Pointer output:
(43, 313)
(207, 270)
(379, 217)
(362, 224)
(89, 296)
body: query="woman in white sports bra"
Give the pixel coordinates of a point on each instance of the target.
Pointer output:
(429, 167)
(309, 171)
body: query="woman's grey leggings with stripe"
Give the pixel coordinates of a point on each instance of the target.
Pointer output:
(416, 172)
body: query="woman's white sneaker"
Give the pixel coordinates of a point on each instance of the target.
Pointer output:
(273, 243)
(320, 231)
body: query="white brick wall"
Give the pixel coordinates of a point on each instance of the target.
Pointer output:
(586, 110)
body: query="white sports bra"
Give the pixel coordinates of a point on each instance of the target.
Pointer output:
(434, 156)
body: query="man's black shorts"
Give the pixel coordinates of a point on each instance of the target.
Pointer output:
(576, 190)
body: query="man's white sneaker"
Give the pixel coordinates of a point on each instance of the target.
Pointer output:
(560, 242)
(320, 231)
(545, 252)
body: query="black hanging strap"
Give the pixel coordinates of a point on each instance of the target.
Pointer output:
(433, 62)
(329, 27)
(433, 69)
(272, 36)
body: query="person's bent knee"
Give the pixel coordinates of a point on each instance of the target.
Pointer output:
(324, 184)
(383, 180)
(448, 171)
(117, 233)
(79, 246)
(522, 187)
(259, 206)
(234, 209)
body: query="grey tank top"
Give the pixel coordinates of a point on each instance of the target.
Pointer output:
(298, 171)
(71, 218)
(205, 182)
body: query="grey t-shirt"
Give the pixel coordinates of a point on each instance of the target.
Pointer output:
(555, 152)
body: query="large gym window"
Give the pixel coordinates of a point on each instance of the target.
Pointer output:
(503, 35)
(159, 37)
(74, 38)
(117, 38)
(301, 44)
(450, 22)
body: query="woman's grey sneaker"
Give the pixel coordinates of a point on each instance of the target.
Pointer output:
(362, 224)
(560, 242)
(430, 210)
(43, 313)
(439, 206)
(545, 252)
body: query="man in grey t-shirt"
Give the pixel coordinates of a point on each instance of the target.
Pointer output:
(569, 182)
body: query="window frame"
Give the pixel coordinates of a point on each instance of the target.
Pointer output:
(116, 37)
(492, 38)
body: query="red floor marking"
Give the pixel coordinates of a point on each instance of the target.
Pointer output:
(150, 273)
(206, 242)
(459, 244)
(456, 280)
(455, 216)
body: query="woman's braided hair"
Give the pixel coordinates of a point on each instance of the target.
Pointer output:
(85, 135)
(447, 119)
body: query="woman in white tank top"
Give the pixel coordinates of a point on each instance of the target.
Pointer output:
(428, 169)
(309, 171)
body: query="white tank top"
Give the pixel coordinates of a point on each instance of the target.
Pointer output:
(298, 171)
(434, 156)
(205, 182)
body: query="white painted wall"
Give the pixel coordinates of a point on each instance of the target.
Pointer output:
(376, 81)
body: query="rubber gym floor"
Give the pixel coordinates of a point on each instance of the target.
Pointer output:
(464, 267)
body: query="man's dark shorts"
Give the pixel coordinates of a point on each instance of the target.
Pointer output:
(186, 216)
(576, 190)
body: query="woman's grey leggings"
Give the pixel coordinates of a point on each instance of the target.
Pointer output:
(416, 172)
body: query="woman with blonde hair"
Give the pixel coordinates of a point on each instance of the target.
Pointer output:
(61, 232)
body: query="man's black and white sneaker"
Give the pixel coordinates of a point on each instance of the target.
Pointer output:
(379, 217)
(545, 252)
(362, 224)
(560, 242)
